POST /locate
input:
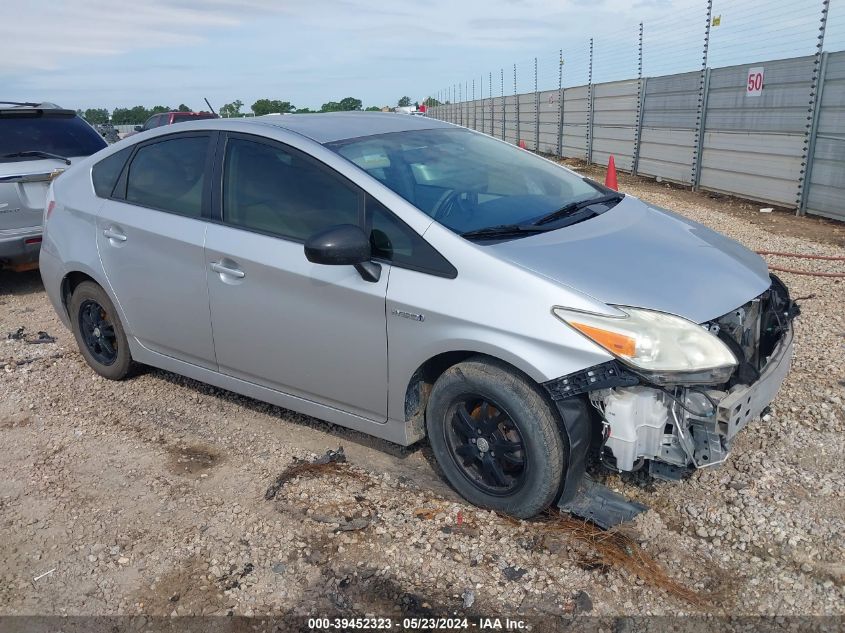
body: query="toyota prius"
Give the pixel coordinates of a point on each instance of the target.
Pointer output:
(410, 279)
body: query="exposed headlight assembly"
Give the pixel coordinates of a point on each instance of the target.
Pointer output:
(666, 348)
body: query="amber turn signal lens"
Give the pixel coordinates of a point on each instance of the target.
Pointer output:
(613, 342)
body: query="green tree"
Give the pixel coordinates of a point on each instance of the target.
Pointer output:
(119, 116)
(349, 104)
(130, 116)
(183, 108)
(159, 109)
(272, 106)
(373, 109)
(96, 115)
(431, 102)
(232, 109)
(304, 110)
(404, 102)
(139, 114)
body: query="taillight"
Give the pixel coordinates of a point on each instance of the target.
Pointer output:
(50, 206)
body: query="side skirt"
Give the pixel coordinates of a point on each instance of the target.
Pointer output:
(392, 431)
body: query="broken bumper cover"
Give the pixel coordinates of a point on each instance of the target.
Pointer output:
(744, 404)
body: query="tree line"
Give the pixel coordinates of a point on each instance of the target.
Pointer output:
(139, 114)
(126, 116)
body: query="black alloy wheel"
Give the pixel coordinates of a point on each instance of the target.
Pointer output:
(96, 326)
(496, 436)
(98, 332)
(486, 446)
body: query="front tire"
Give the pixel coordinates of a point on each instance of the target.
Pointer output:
(495, 437)
(99, 332)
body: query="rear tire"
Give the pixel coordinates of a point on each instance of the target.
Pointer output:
(99, 332)
(495, 437)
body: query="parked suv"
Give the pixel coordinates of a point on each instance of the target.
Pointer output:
(406, 277)
(169, 118)
(37, 142)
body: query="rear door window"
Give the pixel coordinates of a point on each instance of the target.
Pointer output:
(34, 130)
(271, 189)
(169, 175)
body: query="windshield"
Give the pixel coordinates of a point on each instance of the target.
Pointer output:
(34, 131)
(467, 181)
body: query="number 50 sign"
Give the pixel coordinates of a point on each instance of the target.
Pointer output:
(754, 85)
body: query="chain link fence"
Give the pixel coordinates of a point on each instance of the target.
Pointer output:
(738, 97)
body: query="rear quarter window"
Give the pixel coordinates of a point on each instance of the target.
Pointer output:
(64, 135)
(105, 174)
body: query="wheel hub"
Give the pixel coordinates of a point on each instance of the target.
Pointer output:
(97, 332)
(486, 445)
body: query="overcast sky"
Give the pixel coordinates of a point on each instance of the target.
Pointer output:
(88, 53)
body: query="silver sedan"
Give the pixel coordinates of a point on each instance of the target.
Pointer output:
(409, 278)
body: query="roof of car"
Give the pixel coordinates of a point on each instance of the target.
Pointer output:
(337, 126)
(23, 105)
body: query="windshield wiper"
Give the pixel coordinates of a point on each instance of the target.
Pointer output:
(503, 230)
(574, 207)
(36, 152)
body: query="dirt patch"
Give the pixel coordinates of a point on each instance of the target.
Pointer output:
(15, 421)
(192, 460)
(184, 589)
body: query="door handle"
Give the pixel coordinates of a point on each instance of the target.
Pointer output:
(114, 235)
(225, 270)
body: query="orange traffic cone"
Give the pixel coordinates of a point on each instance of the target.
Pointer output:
(610, 179)
(522, 144)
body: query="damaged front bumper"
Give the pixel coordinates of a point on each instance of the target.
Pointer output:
(671, 429)
(679, 430)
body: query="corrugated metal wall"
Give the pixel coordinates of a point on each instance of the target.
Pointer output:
(668, 135)
(615, 122)
(826, 195)
(549, 117)
(576, 107)
(751, 146)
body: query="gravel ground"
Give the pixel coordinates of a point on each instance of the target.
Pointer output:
(149, 495)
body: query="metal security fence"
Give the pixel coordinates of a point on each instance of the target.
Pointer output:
(771, 130)
(826, 168)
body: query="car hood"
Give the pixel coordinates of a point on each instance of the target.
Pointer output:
(643, 256)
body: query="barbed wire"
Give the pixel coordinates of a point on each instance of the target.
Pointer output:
(741, 31)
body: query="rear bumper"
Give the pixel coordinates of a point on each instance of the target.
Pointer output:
(52, 274)
(19, 247)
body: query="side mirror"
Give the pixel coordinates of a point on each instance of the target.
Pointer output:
(139, 128)
(343, 245)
